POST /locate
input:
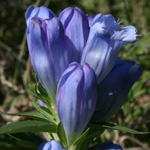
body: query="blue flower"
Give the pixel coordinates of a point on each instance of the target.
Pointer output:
(104, 42)
(109, 146)
(76, 99)
(47, 47)
(76, 28)
(52, 145)
(114, 89)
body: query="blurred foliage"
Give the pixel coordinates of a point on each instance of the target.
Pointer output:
(15, 65)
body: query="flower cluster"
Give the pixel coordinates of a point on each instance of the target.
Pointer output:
(75, 59)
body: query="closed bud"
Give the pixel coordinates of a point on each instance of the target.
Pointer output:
(76, 99)
(48, 52)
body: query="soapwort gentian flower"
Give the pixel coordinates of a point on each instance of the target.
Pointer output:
(76, 29)
(76, 99)
(47, 47)
(113, 90)
(104, 42)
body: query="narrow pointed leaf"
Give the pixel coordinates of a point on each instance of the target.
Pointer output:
(61, 133)
(33, 115)
(28, 126)
(44, 111)
(116, 127)
(81, 138)
(83, 141)
(24, 142)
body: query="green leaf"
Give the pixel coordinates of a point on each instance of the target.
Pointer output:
(28, 126)
(44, 111)
(81, 138)
(30, 143)
(33, 115)
(85, 139)
(30, 86)
(42, 90)
(33, 89)
(22, 141)
(42, 96)
(40, 93)
(115, 127)
(61, 134)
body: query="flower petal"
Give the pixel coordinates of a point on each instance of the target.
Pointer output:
(45, 13)
(124, 35)
(90, 19)
(41, 12)
(108, 20)
(41, 103)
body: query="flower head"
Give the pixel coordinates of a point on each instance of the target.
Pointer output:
(73, 36)
(91, 46)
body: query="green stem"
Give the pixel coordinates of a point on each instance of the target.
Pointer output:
(37, 3)
(53, 110)
(55, 136)
(72, 147)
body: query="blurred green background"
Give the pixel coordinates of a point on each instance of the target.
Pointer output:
(15, 67)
